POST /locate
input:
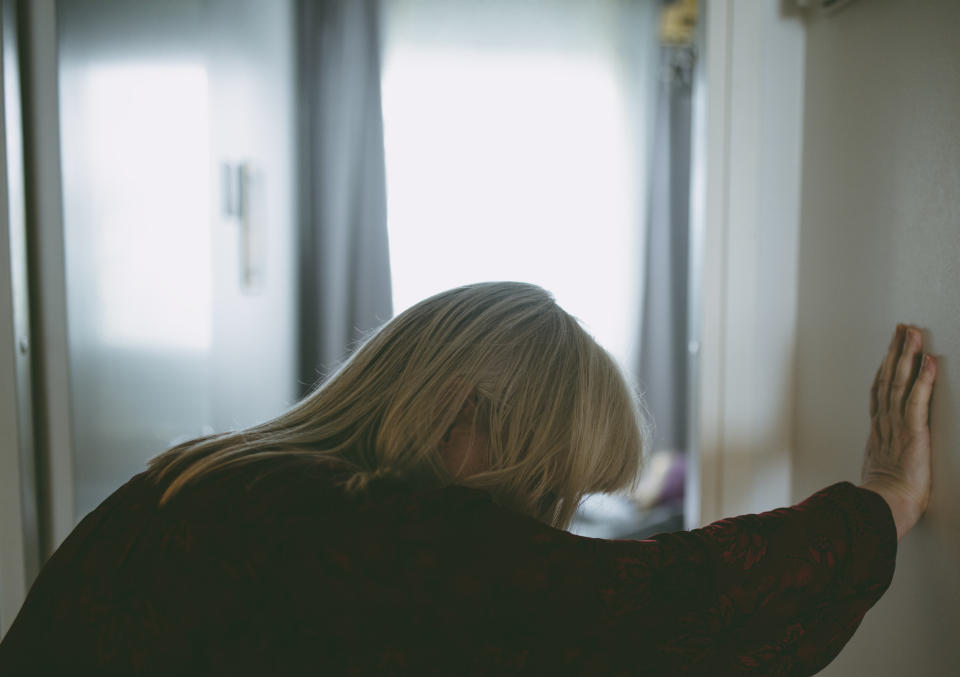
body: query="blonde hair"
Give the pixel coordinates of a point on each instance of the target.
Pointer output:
(560, 418)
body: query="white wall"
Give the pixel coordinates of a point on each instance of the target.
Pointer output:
(880, 243)
(746, 227)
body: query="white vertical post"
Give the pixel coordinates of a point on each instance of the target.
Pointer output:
(19, 549)
(708, 265)
(12, 560)
(44, 202)
(749, 231)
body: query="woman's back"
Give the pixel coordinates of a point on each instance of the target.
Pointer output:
(285, 573)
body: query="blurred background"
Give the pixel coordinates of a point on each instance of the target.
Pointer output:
(248, 186)
(206, 203)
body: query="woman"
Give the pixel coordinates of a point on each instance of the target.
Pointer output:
(407, 518)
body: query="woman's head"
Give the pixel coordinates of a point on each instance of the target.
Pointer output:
(553, 411)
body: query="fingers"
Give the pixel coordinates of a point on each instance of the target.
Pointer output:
(875, 393)
(918, 402)
(885, 376)
(897, 456)
(906, 367)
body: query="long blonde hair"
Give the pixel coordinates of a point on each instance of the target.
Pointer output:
(560, 418)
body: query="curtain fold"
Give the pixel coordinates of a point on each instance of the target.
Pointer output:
(663, 360)
(344, 257)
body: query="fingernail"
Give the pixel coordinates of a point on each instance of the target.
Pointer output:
(925, 361)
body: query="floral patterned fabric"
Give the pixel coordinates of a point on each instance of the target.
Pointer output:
(284, 575)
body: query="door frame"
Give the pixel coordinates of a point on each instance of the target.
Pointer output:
(52, 390)
(20, 555)
(745, 216)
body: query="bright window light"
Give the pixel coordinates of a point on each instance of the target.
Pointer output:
(509, 164)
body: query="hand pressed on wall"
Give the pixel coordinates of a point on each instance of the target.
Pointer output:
(897, 459)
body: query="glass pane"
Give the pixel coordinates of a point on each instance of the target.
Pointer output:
(170, 337)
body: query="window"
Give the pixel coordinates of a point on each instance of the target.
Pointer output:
(514, 151)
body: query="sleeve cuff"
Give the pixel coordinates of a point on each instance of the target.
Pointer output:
(872, 535)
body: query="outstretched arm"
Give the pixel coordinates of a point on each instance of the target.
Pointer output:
(776, 593)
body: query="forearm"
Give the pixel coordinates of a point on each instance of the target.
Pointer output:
(768, 568)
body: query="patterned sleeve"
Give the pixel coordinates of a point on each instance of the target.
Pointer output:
(792, 585)
(777, 593)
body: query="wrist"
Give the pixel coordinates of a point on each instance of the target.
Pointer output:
(904, 514)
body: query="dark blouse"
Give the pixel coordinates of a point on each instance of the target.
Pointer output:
(287, 576)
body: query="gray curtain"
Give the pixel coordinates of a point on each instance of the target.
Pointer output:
(344, 259)
(664, 336)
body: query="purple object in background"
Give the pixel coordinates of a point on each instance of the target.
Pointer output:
(675, 479)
